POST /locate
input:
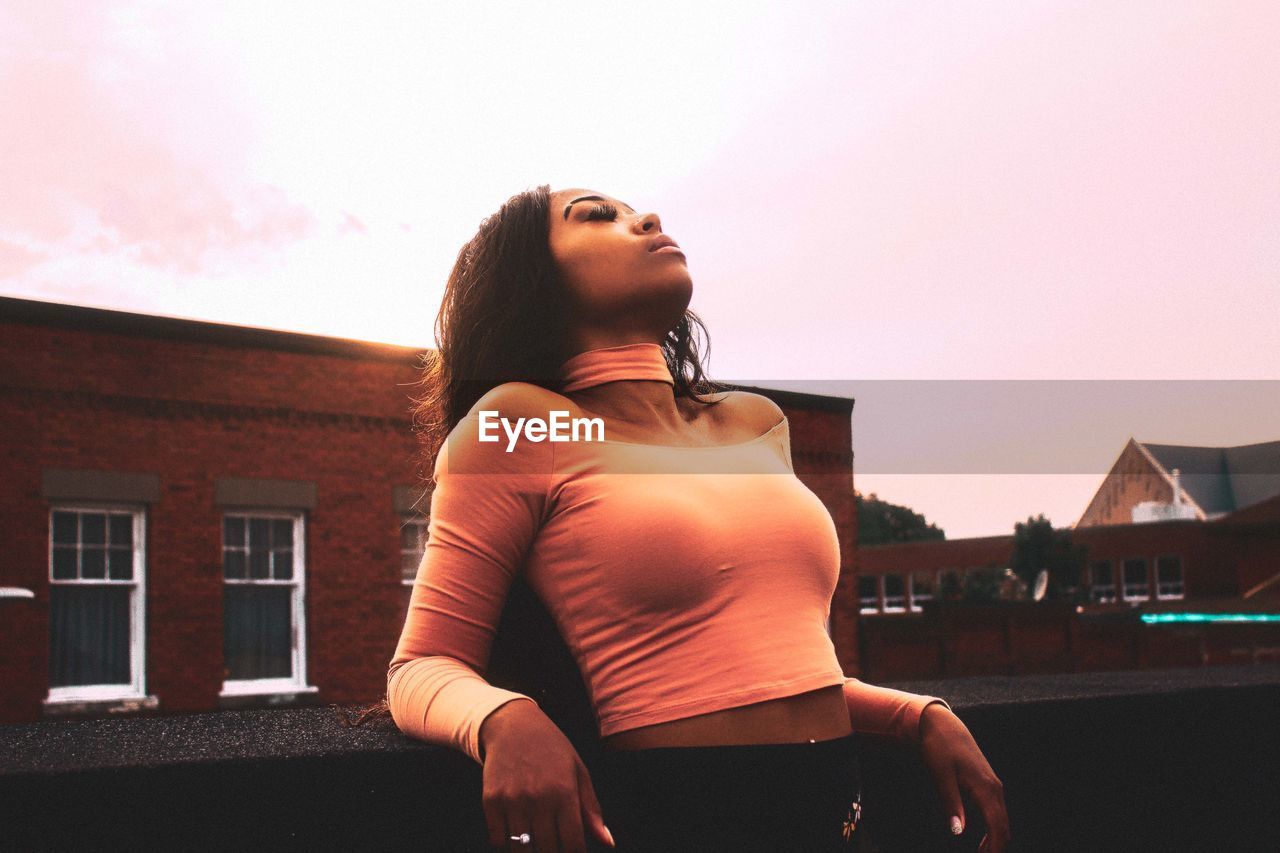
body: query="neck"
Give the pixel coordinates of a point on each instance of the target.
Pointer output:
(627, 382)
(633, 401)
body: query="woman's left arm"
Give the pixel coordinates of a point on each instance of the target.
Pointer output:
(945, 744)
(957, 765)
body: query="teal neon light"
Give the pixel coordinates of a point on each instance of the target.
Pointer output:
(1153, 618)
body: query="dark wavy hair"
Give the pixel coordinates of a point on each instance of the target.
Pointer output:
(504, 318)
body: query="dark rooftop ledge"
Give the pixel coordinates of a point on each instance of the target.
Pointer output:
(1148, 759)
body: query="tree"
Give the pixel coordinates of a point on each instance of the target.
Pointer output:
(1037, 545)
(880, 522)
(982, 586)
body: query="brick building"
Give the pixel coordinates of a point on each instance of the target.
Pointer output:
(1168, 522)
(198, 515)
(1232, 556)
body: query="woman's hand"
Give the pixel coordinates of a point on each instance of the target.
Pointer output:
(956, 763)
(535, 782)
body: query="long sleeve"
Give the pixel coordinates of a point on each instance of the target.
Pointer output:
(486, 509)
(885, 711)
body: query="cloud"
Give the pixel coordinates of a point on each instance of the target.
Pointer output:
(351, 224)
(15, 259)
(117, 142)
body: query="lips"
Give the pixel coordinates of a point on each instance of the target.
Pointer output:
(661, 241)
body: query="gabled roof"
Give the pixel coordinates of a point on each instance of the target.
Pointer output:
(1222, 479)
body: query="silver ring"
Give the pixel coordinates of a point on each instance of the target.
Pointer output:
(523, 838)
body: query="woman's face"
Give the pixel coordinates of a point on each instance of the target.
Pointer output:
(605, 253)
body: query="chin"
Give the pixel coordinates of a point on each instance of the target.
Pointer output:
(682, 284)
(680, 292)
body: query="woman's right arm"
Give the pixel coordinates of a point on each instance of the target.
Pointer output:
(486, 509)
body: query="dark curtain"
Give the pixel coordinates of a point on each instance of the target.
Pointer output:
(257, 629)
(89, 635)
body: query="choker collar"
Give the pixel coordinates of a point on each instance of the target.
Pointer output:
(609, 364)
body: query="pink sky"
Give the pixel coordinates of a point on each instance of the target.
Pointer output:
(864, 191)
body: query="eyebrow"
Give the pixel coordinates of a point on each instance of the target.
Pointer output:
(590, 198)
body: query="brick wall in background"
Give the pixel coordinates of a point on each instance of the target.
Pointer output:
(191, 403)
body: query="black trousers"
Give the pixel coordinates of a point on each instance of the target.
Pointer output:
(776, 797)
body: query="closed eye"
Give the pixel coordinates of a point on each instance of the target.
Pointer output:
(603, 211)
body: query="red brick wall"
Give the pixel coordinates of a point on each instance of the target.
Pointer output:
(1025, 637)
(822, 455)
(194, 411)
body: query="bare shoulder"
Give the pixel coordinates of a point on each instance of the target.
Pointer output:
(751, 410)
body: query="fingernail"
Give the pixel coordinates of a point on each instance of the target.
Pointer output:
(956, 828)
(612, 843)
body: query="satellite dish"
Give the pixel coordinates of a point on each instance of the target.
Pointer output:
(1042, 583)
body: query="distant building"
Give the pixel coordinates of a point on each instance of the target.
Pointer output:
(1168, 522)
(1151, 482)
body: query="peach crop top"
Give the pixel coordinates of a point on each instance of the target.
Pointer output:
(684, 580)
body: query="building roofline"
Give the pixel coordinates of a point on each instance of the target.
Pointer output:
(1168, 478)
(83, 317)
(992, 537)
(801, 399)
(38, 312)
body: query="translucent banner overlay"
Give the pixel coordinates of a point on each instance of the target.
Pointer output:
(1061, 426)
(1206, 428)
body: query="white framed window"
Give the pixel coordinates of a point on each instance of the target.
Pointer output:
(895, 593)
(868, 593)
(1169, 576)
(97, 603)
(1136, 585)
(1102, 582)
(264, 586)
(413, 543)
(922, 589)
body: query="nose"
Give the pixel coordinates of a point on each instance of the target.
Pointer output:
(650, 221)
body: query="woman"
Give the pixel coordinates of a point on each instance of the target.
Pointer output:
(694, 599)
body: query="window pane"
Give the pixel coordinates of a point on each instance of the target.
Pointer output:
(408, 566)
(1169, 577)
(93, 563)
(1101, 572)
(64, 527)
(233, 530)
(93, 528)
(894, 592)
(1135, 571)
(89, 635)
(258, 528)
(233, 564)
(259, 568)
(120, 564)
(282, 568)
(281, 533)
(64, 562)
(1169, 569)
(410, 536)
(121, 529)
(257, 631)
